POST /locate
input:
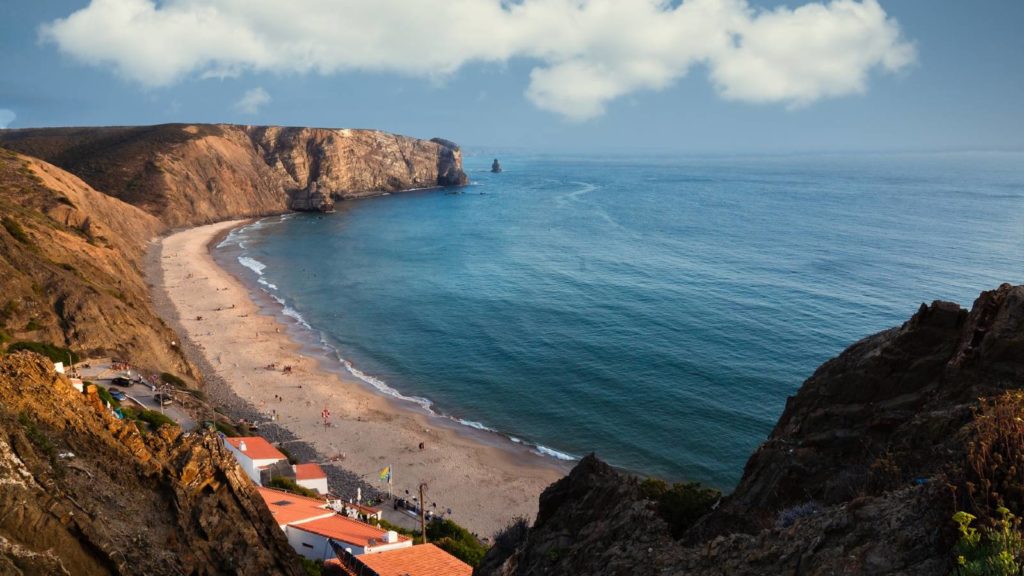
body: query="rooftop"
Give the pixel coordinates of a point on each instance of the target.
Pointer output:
(309, 471)
(421, 560)
(346, 530)
(256, 448)
(288, 508)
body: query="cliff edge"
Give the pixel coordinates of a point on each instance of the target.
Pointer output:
(861, 475)
(189, 174)
(84, 493)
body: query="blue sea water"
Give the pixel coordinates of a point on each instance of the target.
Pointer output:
(656, 311)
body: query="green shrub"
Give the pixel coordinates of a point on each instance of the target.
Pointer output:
(156, 419)
(106, 397)
(681, 504)
(312, 567)
(152, 417)
(168, 378)
(55, 353)
(289, 485)
(457, 541)
(15, 230)
(5, 336)
(226, 429)
(997, 551)
(32, 325)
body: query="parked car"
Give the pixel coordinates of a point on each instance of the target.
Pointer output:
(163, 399)
(121, 381)
(118, 395)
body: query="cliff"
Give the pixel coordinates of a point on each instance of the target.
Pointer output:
(861, 475)
(192, 174)
(70, 260)
(84, 493)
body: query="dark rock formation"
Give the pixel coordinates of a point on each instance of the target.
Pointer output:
(855, 478)
(84, 493)
(496, 167)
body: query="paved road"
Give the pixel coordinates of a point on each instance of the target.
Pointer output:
(101, 373)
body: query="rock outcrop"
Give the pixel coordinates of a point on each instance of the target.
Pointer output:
(192, 174)
(84, 493)
(860, 476)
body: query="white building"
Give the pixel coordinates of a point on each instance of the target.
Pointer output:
(310, 526)
(311, 476)
(253, 453)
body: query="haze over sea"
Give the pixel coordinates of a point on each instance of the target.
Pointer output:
(658, 311)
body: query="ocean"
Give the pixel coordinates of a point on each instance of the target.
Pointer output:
(657, 311)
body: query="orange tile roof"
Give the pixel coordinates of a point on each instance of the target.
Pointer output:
(421, 560)
(288, 508)
(256, 448)
(346, 530)
(309, 471)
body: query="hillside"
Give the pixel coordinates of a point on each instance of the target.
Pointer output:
(70, 259)
(861, 475)
(85, 493)
(192, 174)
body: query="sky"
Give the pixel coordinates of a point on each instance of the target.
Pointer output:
(560, 76)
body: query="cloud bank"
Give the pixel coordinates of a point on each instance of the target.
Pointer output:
(587, 52)
(252, 101)
(6, 117)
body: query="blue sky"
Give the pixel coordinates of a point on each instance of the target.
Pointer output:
(796, 76)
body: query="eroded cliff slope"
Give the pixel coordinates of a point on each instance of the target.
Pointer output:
(84, 493)
(70, 267)
(193, 174)
(861, 475)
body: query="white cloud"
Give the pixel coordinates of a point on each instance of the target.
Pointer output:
(252, 101)
(6, 117)
(587, 52)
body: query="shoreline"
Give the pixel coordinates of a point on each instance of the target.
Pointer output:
(485, 483)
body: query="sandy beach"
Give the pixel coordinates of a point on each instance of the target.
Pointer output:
(485, 481)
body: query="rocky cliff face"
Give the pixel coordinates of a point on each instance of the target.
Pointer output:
(70, 262)
(84, 493)
(192, 174)
(860, 475)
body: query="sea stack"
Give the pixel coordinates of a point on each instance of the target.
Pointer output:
(495, 167)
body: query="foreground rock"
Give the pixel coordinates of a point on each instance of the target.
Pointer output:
(860, 476)
(84, 493)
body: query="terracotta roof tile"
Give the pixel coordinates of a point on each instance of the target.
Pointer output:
(288, 508)
(346, 530)
(422, 560)
(309, 471)
(256, 448)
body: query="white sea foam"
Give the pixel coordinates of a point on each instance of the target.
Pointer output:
(474, 424)
(383, 387)
(270, 285)
(252, 264)
(294, 314)
(545, 451)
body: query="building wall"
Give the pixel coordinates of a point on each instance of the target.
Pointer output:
(386, 547)
(250, 466)
(318, 484)
(314, 546)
